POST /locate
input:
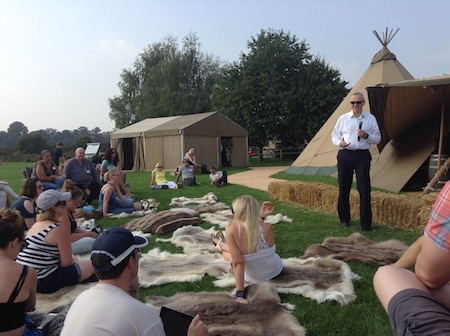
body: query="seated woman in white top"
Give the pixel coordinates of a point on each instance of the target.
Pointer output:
(250, 244)
(159, 178)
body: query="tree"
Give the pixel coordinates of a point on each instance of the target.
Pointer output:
(32, 143)
(165, 81)
(278, 90)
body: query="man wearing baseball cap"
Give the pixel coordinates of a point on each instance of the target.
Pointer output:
(108, 308)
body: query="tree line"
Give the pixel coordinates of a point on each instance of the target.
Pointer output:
(277, 90)
(17, 138)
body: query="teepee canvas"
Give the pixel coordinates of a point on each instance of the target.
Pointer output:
(319, 157)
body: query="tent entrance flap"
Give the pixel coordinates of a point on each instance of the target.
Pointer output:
(127, 150)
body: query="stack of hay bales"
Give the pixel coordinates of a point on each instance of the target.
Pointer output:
(396, 210)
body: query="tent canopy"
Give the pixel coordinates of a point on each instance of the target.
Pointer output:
(414, 115)
(167, 139)
(319, 156)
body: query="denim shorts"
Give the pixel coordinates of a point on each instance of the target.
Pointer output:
(415, 312)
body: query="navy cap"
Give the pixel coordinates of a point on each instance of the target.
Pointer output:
(115, 244)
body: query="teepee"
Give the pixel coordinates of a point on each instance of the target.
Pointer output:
(319, 157)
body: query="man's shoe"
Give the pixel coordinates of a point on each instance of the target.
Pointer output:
(365, 229)
(345, 225)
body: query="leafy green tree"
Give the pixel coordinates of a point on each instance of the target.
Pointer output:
(32, 143)
(278, 90)
(165, 81)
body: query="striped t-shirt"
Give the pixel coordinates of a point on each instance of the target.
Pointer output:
(39, 254)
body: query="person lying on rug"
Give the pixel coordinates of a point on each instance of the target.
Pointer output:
(111, 199)
(419, 303)
(81, 240)
(250, 244)
(48, 248)
(115, 256)
(17, 282)
(159, 180)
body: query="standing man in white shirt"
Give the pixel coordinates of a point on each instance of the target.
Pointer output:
(353, 133)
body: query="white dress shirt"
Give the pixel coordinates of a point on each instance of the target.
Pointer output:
(347, 126)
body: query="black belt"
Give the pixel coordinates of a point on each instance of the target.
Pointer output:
(354, 150)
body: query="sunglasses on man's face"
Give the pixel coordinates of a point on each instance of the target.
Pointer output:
(356, 102)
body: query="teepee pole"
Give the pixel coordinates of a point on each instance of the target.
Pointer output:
(439, 171)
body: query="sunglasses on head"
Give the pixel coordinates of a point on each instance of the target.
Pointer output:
(356, 102)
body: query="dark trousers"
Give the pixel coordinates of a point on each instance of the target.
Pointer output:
(358, 162)
(94, 187)
(224, 178)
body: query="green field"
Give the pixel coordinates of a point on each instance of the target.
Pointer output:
(365, 316)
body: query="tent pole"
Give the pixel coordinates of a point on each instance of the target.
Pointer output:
(439, 171)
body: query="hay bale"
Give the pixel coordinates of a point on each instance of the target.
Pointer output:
(397, 210)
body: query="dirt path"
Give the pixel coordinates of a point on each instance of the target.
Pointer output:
(256, 177)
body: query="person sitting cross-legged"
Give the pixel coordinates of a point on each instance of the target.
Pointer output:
(159, 180)
(84, 174)
(187, 172)
(48, 172)
(48, 248)
(217, 177)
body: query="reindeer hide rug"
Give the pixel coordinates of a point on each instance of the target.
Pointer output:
(358, 248)
(263, 315)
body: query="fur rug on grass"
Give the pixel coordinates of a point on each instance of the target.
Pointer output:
(358, 248)
(182, 201)
(162, 222)
(263, 315)
(316, 278)
(224, 217)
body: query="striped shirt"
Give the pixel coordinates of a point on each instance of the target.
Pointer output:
(438, 226)
(39, 254)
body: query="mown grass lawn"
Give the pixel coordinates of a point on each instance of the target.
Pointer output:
(365, 316)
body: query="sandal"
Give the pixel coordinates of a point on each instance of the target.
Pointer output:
(219, 240)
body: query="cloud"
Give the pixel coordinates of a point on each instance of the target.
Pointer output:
(119, 49)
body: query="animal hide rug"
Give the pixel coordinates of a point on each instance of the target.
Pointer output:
(358, 248)
(182, 201)
(224, 217)
(263, 315)
(162, 222)
(316, 278)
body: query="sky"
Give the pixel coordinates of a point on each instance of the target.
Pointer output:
(60, 61)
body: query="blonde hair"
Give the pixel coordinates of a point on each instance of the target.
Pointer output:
(247, 213)
(107, 176)
(49, 215)
(190, 151)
